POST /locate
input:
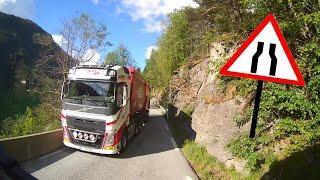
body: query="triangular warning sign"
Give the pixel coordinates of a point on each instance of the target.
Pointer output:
(266, 56)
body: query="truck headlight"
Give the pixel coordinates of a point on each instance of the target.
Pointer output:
(86, 136)
(75, 134)
(80, 135)
(92, 138)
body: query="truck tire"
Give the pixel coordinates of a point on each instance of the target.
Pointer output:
(146, 117)
(139, 126)
(124, 141)
(136, 129)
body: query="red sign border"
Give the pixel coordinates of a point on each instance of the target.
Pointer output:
(270, 18)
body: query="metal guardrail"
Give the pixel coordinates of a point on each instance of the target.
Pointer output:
(30, 146)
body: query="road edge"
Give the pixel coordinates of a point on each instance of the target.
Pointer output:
(175, 144)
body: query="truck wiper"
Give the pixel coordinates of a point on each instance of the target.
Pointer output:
(76, 98)
(96, 100)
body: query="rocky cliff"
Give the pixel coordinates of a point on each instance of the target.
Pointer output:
(195, 98)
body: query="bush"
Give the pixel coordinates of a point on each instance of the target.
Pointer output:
(41, 118)
(250, 149)
(188, 110)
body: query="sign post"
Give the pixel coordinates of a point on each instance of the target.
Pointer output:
(256, 109)
(264, 56)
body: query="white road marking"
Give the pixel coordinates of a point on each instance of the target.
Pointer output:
(172, 139)
(174, 143)
(166, 127)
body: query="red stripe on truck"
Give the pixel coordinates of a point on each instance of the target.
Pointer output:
(112, 122)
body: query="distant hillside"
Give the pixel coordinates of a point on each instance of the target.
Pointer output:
(18, 44)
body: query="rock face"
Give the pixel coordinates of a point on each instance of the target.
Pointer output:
(195, 86)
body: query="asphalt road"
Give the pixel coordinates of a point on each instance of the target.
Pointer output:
(150, 155)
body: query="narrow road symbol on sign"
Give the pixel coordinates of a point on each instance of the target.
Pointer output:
(264, 56)
(274, 61)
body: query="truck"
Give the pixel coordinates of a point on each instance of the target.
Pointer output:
(103, 107)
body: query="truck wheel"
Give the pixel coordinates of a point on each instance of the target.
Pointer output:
(136, 129)
(140, 126)
(124, 141)
(146, 118)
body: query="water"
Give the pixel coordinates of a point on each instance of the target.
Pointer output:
(15, 99)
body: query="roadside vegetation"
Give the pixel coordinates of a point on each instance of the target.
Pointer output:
(32, 108)
(288, 126)
(206, 165)
(38, 119)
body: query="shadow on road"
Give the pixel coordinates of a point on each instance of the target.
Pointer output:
(300, 165)
(154, 138)
(39, 163)
(180, 123)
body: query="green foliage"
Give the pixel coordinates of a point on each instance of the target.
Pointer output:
(250, 149)
(41, 118)
(254, 161)
(120, 56)
(15, 99)
(184, 38)
(287, 127)
(188, 110)
(206, 165)
(244, 117)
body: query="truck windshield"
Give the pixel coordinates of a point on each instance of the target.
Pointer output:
(90, 91)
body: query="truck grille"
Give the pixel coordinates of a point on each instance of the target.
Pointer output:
(91, 127)
(96, 126)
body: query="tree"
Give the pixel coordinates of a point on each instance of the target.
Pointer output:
(175, 47)
(81, 38)
(120, 56)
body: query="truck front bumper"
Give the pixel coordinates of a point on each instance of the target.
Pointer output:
(106, 150)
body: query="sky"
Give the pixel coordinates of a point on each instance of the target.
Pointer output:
(135, 23)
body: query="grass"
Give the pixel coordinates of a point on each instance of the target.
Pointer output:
(207, 166)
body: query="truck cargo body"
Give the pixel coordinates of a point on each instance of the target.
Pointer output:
(103, 107)
(139, 93)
